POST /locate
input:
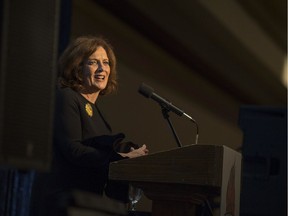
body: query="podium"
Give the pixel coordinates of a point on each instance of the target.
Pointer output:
(177, 180)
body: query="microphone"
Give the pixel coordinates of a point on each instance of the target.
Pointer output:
(148, 92)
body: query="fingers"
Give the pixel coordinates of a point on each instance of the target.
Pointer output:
(144, 149)
(138, 152)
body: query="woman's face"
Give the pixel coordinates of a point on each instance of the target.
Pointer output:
(96, 71)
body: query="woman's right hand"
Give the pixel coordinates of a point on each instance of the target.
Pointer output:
(136, 152)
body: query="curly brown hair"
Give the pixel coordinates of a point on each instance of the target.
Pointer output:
(71, 62)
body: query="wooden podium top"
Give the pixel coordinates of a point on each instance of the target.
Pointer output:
(199, 165)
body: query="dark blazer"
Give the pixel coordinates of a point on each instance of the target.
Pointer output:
(83, 147)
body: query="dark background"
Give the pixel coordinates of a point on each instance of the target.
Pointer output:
(208, 58)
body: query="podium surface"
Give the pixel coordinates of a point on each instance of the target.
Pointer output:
(180, 179)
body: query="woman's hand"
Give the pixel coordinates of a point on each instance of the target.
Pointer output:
(136, 152)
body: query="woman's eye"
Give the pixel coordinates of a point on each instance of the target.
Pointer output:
(95, 63)
(92, 62)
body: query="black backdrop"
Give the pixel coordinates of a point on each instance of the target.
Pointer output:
(33, 33)
(264, 151)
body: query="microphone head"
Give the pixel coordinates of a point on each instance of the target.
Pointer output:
(145, 90)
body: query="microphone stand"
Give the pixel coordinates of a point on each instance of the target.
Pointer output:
(166, 116)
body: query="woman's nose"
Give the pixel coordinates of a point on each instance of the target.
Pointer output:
(100, 67)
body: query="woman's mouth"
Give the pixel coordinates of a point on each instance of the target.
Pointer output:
(99, 77)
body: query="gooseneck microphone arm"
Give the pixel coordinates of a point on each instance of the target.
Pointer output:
(197, 132)
(148, 92)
